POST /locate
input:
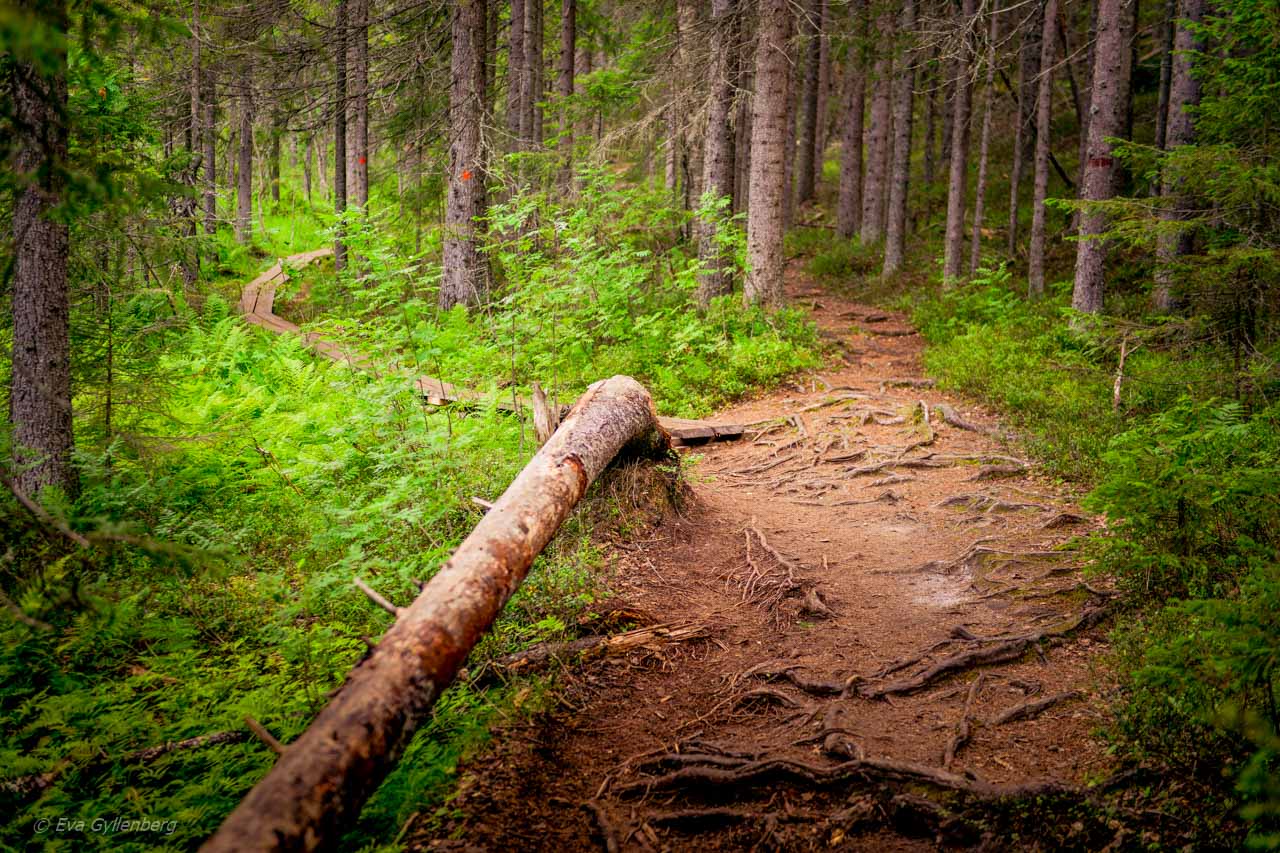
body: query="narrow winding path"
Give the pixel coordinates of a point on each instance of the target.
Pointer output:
(883, 584)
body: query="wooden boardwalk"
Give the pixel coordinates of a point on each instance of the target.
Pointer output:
(257, 304)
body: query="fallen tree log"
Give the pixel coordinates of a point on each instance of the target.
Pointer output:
(322, 780)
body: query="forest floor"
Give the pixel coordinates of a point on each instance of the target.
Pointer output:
(879, 586)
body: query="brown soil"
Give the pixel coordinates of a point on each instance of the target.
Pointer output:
(900, 576)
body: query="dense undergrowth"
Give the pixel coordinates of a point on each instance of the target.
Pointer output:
(234, 484)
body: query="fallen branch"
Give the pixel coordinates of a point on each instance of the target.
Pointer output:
(319, 785)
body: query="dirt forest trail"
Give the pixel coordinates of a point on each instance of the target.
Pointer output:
(883, 586)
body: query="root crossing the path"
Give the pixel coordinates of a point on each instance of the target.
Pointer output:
(895, 645)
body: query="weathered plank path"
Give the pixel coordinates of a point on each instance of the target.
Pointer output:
(257, 304)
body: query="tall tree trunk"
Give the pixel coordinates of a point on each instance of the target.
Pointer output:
(40, 390)
(768, 190)
(244, 165)
(1086, 100)
(789, 146)
(933, 93)
(1044, 123)
(877, 134)
(360, 103)
(517, 87)
(307, 160)
(1024, 139)
(564, 88)
(191, 252)
(811, 51)
(899, 182)
(1184, 93)
(745, 108)
(273, 163)
(532, 121)
(718, 156)
(984, 146)
(849, 201)
(957, 185)
(210, 156)
(1110, 101)
(466, 279)
(340, 131)
(1166, 71)
(824, 90)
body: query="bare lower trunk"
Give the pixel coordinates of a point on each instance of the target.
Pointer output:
(517, 88)
(984, 146)
(931, 118)
(317, 787)
(1024, 137)
(340, 131)
(210, 157)
(811, 51)
(768, 156)
(532, 121)
(1044, 120)
(1184, 93)
(1087, 102)
(718, 156)
(307, 160)
(824, 90)
(899, 183)
(244, 165)
(849, 202)
(952, 265)
(465, 279)
(564, 87)
(742, 132)
(875, 184)
(1110, 102)
(1166, 71)
(359, 156)
(40, 389)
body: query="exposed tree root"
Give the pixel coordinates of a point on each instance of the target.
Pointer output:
(545, 655)
(1063, 519)
(608, 831)
(961, 735)
(1027, 710)
(949, 416)
(905, 383)
(795, 675)
(706, 779)
(997, 472)
(980, 502)
(1006, 649)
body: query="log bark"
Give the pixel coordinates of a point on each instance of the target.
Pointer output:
(319, 784)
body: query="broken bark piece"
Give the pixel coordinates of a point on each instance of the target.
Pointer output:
(962, 732)
(319, 785)
(545, 655)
